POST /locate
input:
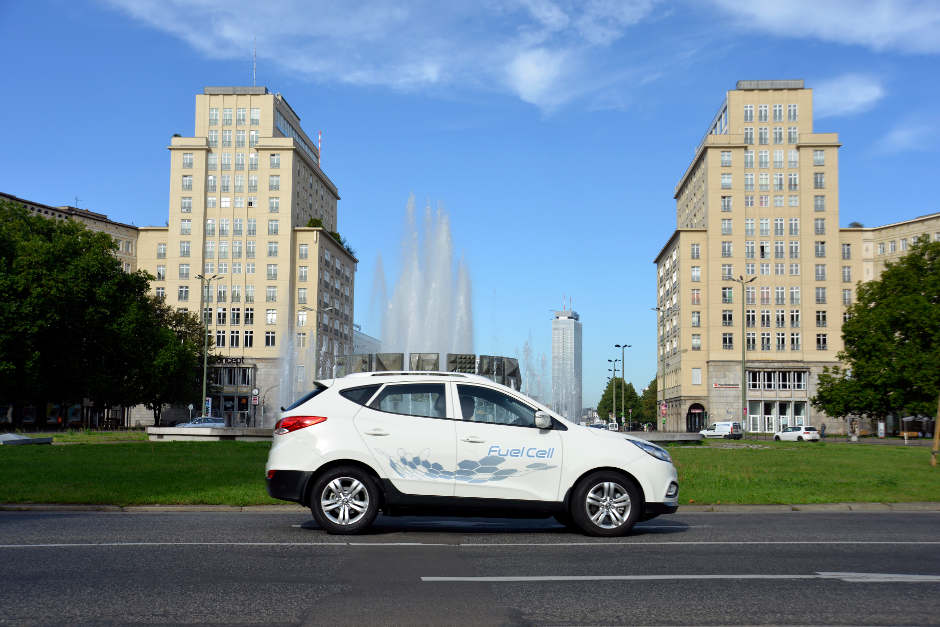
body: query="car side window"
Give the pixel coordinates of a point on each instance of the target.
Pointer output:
(479, 404)
(360, 395)
(412, 399)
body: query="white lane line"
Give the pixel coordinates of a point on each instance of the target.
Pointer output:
(847, 577)
(631, 545)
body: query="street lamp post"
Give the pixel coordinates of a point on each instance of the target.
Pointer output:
(205, 283)
(623, 369)
(743, 282)
(614, 403)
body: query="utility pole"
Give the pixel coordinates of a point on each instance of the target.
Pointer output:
(623, 369)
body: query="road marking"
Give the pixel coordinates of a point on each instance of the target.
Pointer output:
(847, 577)
(631, 545)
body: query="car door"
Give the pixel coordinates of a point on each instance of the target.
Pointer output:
(407, 430)
(501, 454)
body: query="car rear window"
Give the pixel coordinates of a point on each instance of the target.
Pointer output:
(317, 388)
(809, 428)
(360, 395)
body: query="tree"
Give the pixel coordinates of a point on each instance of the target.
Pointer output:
(627, 400)
(647, 408)
(891, 343)
(73, 324)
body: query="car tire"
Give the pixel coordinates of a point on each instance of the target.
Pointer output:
(799, 438)
(344, 500)
(606, 504)
(776, 438)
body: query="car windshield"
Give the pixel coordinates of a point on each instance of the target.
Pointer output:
(317, 388)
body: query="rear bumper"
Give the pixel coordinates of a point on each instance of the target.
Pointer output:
(288, 485)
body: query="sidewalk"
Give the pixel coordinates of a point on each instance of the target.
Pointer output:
(693, 508)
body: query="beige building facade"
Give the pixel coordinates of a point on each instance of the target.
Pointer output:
(277, 294)
(758, 262)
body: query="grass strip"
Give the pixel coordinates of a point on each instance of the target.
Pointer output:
(232, 473)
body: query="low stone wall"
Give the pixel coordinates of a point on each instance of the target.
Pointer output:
(666, 436)
(208, 434)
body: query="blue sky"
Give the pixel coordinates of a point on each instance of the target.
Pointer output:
(553, 133)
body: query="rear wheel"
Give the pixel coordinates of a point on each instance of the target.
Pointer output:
(799, 438)
(344, 500)
(605, 504)
(776, 438)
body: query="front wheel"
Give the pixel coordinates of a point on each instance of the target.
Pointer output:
(344, 500)
(605, 504)
(776, 438)
(799, 438)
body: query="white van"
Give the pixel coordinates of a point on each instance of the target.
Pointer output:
(726, 430)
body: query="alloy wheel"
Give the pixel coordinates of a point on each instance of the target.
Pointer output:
(608, 504)
(344, 501)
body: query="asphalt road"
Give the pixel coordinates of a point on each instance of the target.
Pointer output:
(278, 568)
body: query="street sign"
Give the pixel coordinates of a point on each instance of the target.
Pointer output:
(254, 399)
(208, 406)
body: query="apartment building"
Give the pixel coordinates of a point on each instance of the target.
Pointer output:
(276, 293)
(758, 272)
(124, 235)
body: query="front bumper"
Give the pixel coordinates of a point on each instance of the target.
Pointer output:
(656, 509)
(288, 485)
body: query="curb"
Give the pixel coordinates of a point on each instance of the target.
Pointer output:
(284, 509)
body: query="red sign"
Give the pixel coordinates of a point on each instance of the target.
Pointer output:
(254, 400)
(662, 409)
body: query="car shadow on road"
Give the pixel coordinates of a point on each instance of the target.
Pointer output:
(548, 527)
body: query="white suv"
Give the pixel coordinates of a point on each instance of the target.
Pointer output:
(458, 444)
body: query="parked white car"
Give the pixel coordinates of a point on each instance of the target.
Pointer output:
(797, 434)
(449, 443)
(727, 430)
(204, 421)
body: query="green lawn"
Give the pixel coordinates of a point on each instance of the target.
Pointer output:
(88, 436)
(232, 473)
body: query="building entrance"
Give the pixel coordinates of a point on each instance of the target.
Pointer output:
(696, 418)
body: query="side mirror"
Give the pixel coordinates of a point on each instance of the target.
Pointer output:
(543, 420)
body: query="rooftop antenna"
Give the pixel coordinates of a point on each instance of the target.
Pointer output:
(254, 61)
(76, 201)
(319, 146)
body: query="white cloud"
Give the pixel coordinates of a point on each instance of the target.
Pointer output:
(903, 25)
(912, 134)
(845, 95)
(538, 50)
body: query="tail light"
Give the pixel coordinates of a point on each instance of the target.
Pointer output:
(293, 423)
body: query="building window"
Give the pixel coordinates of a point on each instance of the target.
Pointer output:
(749, 182)
(239, 161)
(272, 249)
(696, 296)
(270, 316)
(778, 113)
(251, 229)
(187, 159)
(794, 269)
(213, 139)
(750, 318)
(187, 182)
(750, 341)
(792, 112)
(778, 184)
(780, 269)
(303, 250)
(271, 272)
(186, 227)
(184, 248)
(269, 338)
(819, 180)
(249, 315)
(763, 159)
(726, 203)
(273, 227)
(182, 293)
(819, 203)
(778, 135)
(794, 226)
(696, 318)
(726, 249)
(795, 295)
(726, 158)
(226, 161)
(903, 244)
(161, 273)
(186, 204)
(255, 117)
(765, 318)
(794, 341)
(763, 135)
(846, 274)
(727, 270)
(820, 272)
(821, 318)
(726, 181)
(727, 341)
(793, 135)
(748, 159)
(210, 184)
(161, 251)
(695, 252)
(249, 338)
(820, 295)
(749, 135)
(727, 318)
(274, 182)
(779, 246)
(270, 294)
(794, 249)
(726, 226)
(846, 297)
(764, 181)
(240, 138)
(275, 160)
(780, 295)
(750, 295)
(793, 181)
(765, 341)
(213, 116)
(762, 113)
(820, 248)
(727, 295)
(226, 139)
(795, 318)
(822, 341)
(696, 272)
(748, 113)
(302, 295)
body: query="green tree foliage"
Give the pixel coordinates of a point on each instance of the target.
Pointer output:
(647, 408)
(627, 400)
(892, 343)
(73, 324)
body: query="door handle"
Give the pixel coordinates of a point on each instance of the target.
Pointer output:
(472, 439)
(376, 432)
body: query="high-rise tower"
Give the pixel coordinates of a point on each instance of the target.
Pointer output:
(566, 364)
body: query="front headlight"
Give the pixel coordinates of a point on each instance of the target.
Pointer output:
(656, 451)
